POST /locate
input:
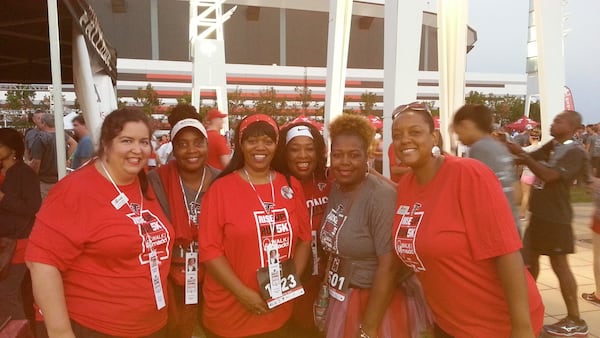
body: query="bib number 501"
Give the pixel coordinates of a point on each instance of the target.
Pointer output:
(336, 281)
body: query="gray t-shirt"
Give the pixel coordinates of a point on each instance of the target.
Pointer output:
(497, 157)
(594, 141)
(367, 231)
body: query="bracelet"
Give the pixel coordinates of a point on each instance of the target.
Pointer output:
(363, 334)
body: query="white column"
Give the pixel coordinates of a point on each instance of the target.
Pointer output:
(551, 61)
(154, 29)
(402, 44)
(282, 37)
(338, 41)
(452, 50)
(57, 87)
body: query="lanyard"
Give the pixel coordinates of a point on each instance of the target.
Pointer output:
(265, 206)
(122, 193)
(187, 206)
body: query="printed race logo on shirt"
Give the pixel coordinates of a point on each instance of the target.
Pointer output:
(153, 234)
(273, 227)
(404, 241)
(331, 229)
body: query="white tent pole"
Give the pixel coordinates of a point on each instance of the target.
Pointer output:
(57, 87)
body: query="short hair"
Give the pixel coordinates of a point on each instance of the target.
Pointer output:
(479, 114)
(48, 119)
(574, 118)
(354, 125)
(182, 111)
(79, 119)
(13, 139)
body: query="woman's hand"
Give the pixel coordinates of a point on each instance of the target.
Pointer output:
(252, 301)
(371, 332)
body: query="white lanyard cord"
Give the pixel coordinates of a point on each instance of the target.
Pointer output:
(187, 206)
(122, 193)
(268, 211)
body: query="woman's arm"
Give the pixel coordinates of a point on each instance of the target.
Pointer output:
(50, 297)
(221, 270)
(301, 256)
(384, 284)
(511, 271)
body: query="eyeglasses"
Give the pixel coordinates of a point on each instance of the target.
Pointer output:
(413, 106)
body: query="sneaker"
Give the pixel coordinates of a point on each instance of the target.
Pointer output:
(591, 297)
(568, 327)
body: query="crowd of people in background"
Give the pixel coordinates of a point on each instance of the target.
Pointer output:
(185, 233)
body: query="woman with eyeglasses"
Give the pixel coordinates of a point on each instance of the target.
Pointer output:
(365, 299)
(250, 211)
(451, 228)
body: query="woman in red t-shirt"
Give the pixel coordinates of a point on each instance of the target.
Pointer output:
(180, 185)
(250, 211)
(100, 249)
(301, 153)
(454, 227)
(20, 199)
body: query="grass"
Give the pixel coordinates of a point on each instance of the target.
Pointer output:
(580, 194)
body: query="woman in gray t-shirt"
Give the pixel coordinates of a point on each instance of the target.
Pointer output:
(364, 299)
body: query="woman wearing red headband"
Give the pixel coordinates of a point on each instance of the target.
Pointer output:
(249, 214)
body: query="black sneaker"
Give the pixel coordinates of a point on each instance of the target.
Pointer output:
(568, 327)
(591, 297)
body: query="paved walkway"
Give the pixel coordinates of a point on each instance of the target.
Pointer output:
(581, 265)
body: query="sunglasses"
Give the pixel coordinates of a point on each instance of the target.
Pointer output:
(414, 106)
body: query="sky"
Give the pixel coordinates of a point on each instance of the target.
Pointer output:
(501, 45)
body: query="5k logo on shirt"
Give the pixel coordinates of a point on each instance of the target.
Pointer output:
(406, 235)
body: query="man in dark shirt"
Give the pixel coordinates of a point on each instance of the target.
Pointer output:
(556, 165)
(43, 153)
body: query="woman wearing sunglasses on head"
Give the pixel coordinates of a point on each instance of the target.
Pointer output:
(451, 228)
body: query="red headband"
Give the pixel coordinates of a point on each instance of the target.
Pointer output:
(257, 118)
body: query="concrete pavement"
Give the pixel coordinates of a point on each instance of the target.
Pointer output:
(581, 265)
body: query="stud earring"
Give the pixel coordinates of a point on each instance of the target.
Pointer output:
(436, 151)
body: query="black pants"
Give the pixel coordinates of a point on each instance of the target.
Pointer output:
(279, 333)
(81, 331)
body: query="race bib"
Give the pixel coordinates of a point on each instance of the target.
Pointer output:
(278, 283)
(338, 278)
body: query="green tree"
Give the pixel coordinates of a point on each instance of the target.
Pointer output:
(304, 97)
(185, 99)
(268, 102)
(148, 98)
(236, 102)
(368, 102)
(21, 97)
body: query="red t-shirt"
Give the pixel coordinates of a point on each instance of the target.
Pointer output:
(217, 147)
(450, 231)
(103, 256)
(232, 225)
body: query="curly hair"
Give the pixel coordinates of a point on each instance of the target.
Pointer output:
(354, 125)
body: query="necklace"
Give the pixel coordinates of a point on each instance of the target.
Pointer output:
(192, 218)
(122, 198)
(267, 206)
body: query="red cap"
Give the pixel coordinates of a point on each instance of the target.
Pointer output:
(214, 113)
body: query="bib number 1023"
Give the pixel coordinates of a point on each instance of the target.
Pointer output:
(287, 283)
